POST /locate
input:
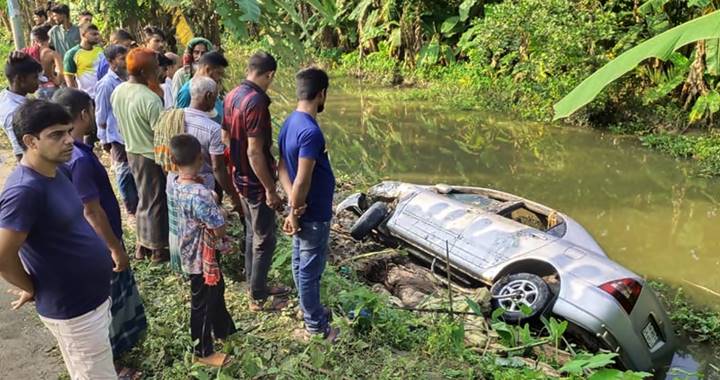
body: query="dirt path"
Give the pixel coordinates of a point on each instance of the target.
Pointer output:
(27, 350)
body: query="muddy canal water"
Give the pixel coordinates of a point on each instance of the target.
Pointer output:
(649, 212)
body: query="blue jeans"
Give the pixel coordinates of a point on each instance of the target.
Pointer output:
(125, 180)
(310, 250)
(126, 185)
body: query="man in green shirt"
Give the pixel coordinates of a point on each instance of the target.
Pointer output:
(64, 35)
(137, 109)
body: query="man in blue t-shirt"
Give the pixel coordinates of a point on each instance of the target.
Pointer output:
(102, 211)
(42, 229)
(307, 178)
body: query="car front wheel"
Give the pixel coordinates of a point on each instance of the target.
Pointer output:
(523, 296)
(368, 221)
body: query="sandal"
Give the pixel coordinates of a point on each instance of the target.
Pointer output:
(279, 290)
(277, 304)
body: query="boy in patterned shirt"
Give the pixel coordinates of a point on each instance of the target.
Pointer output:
(196, 225)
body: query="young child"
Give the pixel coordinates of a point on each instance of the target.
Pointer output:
(196, 225)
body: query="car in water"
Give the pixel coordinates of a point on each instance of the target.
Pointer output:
(536, 260)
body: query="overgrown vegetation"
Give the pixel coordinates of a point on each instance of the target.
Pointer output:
(699, 324)
(518, 56)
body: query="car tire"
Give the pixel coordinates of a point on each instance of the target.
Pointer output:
(530, 290)
(369, 220)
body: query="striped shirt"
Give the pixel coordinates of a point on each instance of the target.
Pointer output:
(209, 133)
(247, 115)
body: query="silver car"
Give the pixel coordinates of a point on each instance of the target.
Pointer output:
(529, 254)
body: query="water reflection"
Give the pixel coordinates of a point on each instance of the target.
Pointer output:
(646, 210)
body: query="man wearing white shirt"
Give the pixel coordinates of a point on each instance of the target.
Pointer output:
(22, 73)
(199, 123)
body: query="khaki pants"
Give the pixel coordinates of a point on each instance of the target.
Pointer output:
(85, 343)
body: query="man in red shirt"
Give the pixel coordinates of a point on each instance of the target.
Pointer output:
(247, 120)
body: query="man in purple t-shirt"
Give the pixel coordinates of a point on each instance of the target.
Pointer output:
(42, 229)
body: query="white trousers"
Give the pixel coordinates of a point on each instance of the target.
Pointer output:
(85, 343)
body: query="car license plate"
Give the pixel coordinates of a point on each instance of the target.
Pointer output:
(650, 335)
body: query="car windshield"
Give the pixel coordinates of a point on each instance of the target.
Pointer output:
(475, 200)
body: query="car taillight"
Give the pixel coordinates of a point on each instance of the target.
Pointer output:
(625, 291)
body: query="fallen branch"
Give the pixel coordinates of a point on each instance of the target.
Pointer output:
(370, 254)
(526, 346)
(716, 294)
(437, 311)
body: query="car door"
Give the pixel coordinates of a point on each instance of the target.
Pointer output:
(429, 221)
(477, 240)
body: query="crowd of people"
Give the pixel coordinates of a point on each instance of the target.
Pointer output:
(178, 146)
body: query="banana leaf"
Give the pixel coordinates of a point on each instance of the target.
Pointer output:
(660, 46)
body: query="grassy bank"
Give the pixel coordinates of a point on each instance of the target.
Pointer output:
(378, 339)
(382, 343)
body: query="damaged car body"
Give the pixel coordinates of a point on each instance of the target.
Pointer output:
(515, 246)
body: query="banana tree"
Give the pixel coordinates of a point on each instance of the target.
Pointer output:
(661, 46)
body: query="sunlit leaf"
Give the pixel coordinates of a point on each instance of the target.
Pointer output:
(474, 306)
(465, 8)
(698, 3)
(449, 24)
(712, 56)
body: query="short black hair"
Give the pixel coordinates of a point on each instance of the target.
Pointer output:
(41, 33)
(261, 63)
(73, 100)
(164, 61)
(213, 59)
(151, 30)
(27, 65)
(184, 149)
(87, 26)
(310, 82)
(40, 12)
(121, 35)
(61, 9)
(36, 115)
(112, 51)
(86, 13)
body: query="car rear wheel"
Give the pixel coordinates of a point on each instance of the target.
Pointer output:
(370, 220)
(515, 290)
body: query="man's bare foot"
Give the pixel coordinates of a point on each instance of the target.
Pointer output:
(216, 360)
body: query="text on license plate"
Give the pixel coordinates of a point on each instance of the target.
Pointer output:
(650, 335)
